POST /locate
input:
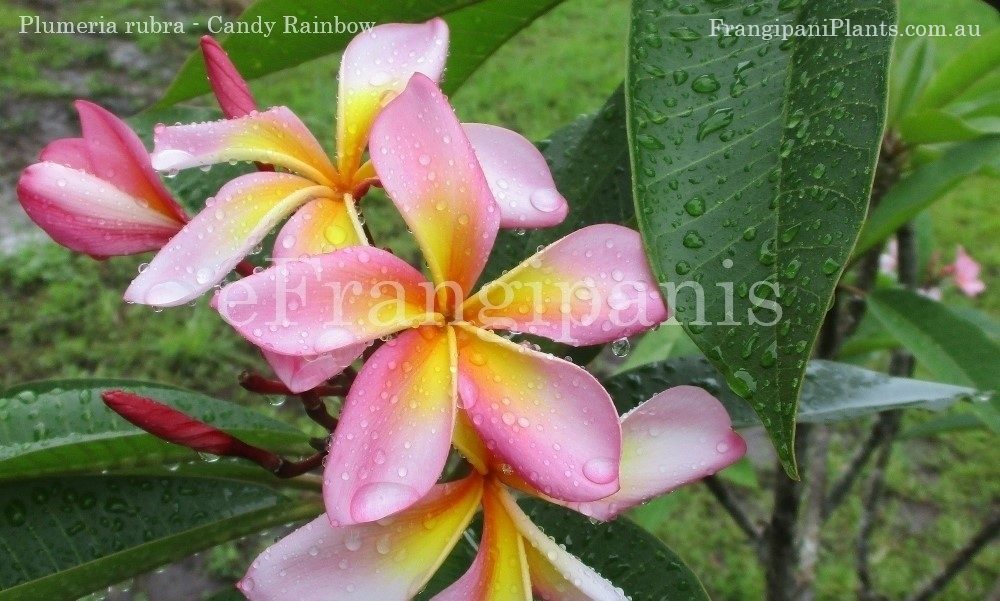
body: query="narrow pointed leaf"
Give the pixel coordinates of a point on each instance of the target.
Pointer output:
(926, 184)
(832, 391)
(63, 426)
(752, 163)
(945, 343)
(978, 61)
(65, 537)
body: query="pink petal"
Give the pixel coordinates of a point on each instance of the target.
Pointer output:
(275, 137)
(677, 437)
(219, 237)
(228, 85)
(548, 419)
(300, 374)
(395, 429)
(591, 287)
(557, 575)
(376, 66)
(500, 570)
(89, 215)
(118, 156)
(324, 303)
(71, 152)
(321, 226)
(966, 274)
(430, 171)
(386, 561)
(518, 176)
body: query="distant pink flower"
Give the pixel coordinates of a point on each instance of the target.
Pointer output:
(965, 272)
(98, 194)
(548, 419)
(676, 437)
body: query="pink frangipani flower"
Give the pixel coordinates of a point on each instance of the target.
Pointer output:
(234, 97)
(375, 66)
(965, 272)
(549, 420)
(676, 437)
(98, 194)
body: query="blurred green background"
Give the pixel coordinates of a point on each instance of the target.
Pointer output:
(61, 315)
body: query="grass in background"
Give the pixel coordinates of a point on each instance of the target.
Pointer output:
(63, 315)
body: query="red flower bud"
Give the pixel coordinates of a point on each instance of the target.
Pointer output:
(228, 85)
(175, 427)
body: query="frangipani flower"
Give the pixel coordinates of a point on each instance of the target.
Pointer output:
(676, 437)
(98, 194)
(376, 65)
(234, 97)
(549, 420)
(965, 272)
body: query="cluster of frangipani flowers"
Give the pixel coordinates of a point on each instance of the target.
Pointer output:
(526, 421)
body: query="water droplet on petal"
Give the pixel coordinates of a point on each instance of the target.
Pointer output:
(376, 500)
(600, 471)
(546, 200)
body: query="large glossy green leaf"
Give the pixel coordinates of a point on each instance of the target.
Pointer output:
(478, 28)
(832, 391)
(630, 557)
(64, 537)
(752, 163)
(589, 162)
(63, 426)
(945, 343)
(926, 184)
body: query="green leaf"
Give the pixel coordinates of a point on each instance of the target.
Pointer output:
(926, 184)
(960, 101)
(944, 424)
(63, 426)
(832, 391)
(978, 61)
(911, 68)
(668, 340)
(984, 321)
(946, 344)
(753, 163)
(478, 29)
(741, 473)
(938, 126)
(654, 513)
(64, 537)
(977, 415)
(589, 163)
(631, 558)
